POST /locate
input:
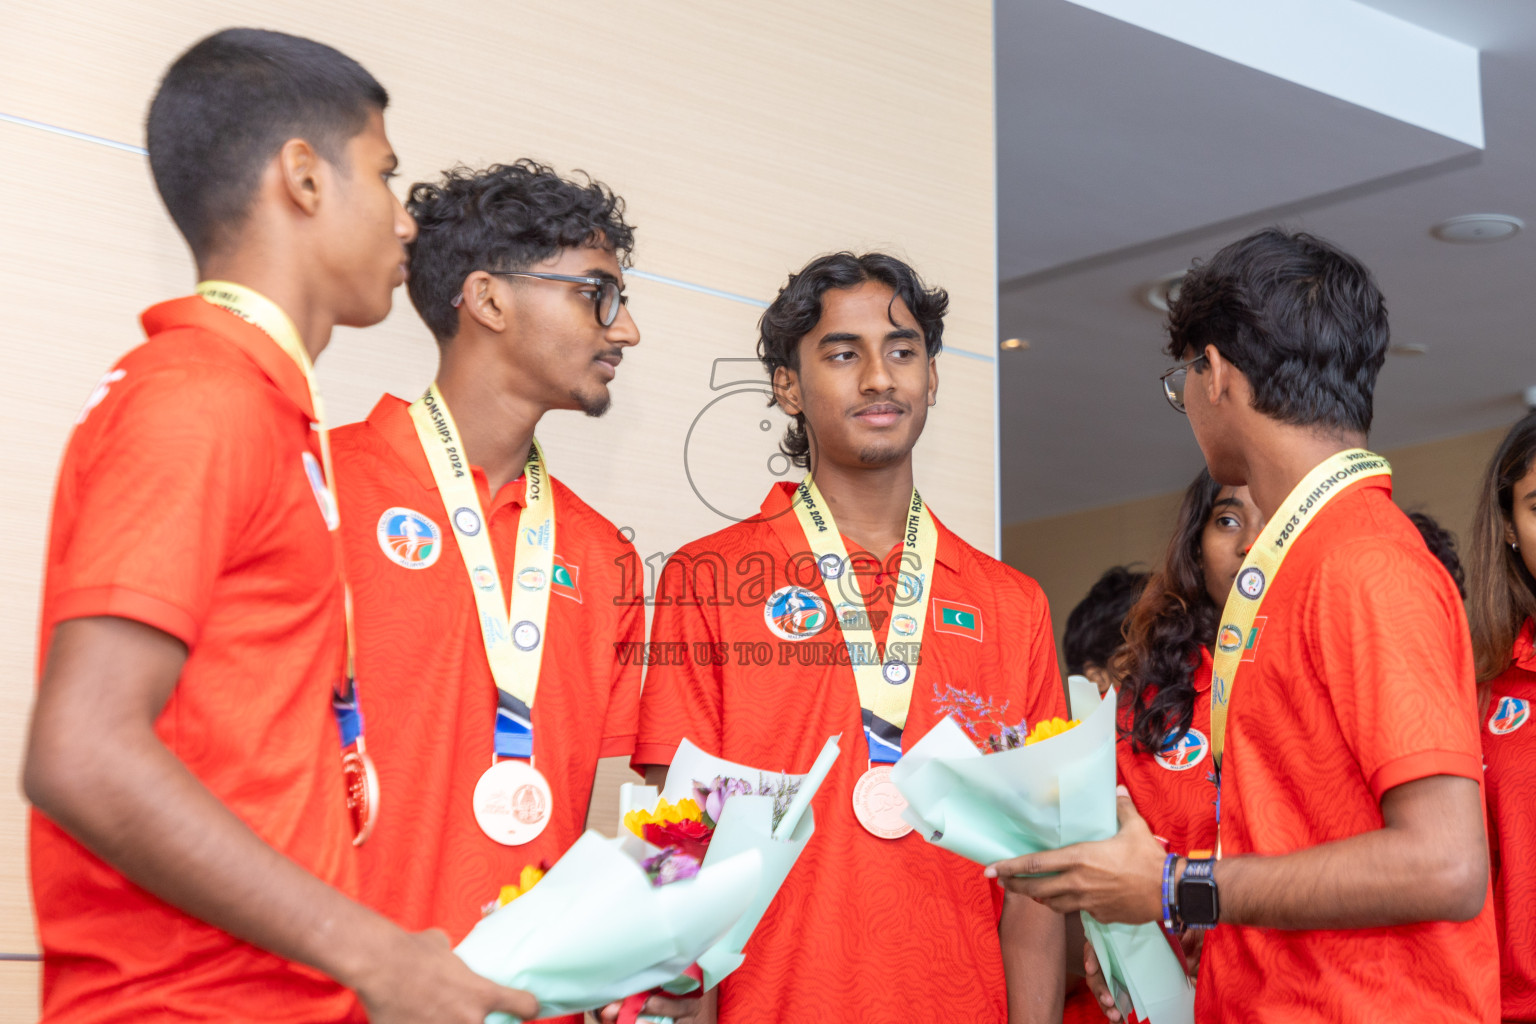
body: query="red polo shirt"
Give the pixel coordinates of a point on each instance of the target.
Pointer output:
(1174, 789)
(1509, 751)
(744, 665)
(184, 502)
(427, 694)
(1360, 681)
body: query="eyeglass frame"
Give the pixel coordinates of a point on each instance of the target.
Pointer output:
(1168, 391)
(601, 283)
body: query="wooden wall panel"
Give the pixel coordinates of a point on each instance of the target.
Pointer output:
(745, 138)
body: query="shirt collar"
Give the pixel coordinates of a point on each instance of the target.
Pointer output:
(778, 512)
(1524, 654)
(196, 312)
(391, 417)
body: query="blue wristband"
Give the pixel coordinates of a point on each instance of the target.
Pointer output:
(1169, 913)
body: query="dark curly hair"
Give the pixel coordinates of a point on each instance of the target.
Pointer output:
(1095, 627)
(506, 217)
(795, 311)
(1302, 319)
(1166, 629)
(1442, 544)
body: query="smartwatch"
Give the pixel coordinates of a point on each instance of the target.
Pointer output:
(1199, 907)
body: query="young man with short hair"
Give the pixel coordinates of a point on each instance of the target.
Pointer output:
(1352, 864)
(876, 622)
(1096, 625)
(450, 511)
(190, 835)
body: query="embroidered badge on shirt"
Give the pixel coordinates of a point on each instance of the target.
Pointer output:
(1184, 753)
(794, 613)
(958, 618)
(409, 539)
(1511, 714)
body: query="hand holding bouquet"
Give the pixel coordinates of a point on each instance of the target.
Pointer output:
(1055, 788)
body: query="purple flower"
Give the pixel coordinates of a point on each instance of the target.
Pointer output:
(670, 865)
(711, 796)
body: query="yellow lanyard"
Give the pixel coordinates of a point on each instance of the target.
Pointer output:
(513, 636)
(885, 681)
(268, 317)
(1257, 576)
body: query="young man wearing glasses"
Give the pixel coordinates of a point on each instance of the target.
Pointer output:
(1351, 867)
(488, 596)
(874, 923)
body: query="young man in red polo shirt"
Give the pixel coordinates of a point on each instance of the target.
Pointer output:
(190, 836)
(874, 924)
(467, 701)
(1352, 867)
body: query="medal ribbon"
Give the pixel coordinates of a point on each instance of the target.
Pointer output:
(513, 636)
(268, 317)
(1262, 565)
(885, 679)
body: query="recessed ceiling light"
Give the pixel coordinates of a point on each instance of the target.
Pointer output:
(1478, 227)
(1161, 293)
(1408, 348)
(1014, 343)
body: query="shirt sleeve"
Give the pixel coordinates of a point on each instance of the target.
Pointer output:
(622, 723)
(160, 480)
(1391, 646)
(683, 695)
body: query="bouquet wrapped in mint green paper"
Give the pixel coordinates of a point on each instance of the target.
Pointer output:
(1043, 796)
(665, 907)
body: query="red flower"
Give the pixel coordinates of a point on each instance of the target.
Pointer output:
(690, 837)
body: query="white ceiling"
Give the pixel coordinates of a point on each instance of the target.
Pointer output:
(1123, 154)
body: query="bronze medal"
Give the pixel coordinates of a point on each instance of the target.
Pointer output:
(513, 802)
(878, 804)
(362, 782)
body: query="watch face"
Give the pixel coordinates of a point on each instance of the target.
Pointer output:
(1197, 901)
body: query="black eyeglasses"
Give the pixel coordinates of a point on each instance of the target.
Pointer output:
(1173, 384)
(605, 301)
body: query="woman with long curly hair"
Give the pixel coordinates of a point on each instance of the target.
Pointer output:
(1164, 669)
(1501, 609)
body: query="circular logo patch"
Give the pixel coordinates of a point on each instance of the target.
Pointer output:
(831, 566)
(526, 635)
(467, 521)
(408, 538)
(1229, 639)
(896, 672)
(794, 613)
(1250, 582)
(531, 578)
(904, 625)
(1182, 754)
(485, 577)
(1510, 715)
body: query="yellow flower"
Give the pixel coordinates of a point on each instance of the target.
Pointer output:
(665, 813)
(1051, 727)
(529, 878)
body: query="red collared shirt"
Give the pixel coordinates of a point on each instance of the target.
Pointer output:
(185, 502)
(1509, 752)
(426, 690)
(1360, 681)
(744, 662)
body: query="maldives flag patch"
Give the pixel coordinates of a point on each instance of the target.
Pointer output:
(958, 618)
(563, 579)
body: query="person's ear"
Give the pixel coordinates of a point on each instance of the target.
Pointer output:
(1219, 378)
(1509, 533)
(933, 381)
(298, 168)
(485, 300)
(786, 390)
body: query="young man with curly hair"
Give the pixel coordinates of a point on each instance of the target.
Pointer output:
(861, 596)
(488, 597)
